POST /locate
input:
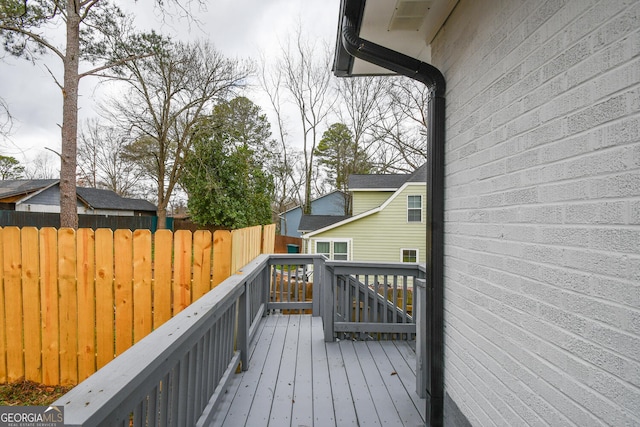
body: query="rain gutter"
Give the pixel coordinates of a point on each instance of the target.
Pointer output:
(351, 13)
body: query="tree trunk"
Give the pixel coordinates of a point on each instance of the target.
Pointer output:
(68, 199)
(162, 201)
(162, 218)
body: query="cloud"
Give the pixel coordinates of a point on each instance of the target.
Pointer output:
(238, 28)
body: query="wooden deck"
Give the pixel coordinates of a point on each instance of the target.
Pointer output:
(296, 379)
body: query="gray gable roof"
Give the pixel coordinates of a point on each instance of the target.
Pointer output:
(419, 175)
(107, 199)
(315, 222)
(386, 181)
(381, 181)
(15, 187)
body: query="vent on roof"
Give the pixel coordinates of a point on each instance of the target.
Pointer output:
(409, 15)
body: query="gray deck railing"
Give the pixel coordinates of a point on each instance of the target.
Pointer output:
(367, 300)
(296, 283)
(177, 374)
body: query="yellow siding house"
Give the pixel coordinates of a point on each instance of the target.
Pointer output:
(388, 222)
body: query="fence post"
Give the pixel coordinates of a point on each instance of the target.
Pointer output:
(243, 326)
(328, 284)
(420, 313)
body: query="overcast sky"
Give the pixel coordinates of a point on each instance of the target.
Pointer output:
(238, 28)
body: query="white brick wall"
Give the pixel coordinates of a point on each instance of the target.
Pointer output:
(542, 244)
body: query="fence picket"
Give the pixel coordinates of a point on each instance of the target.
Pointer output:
(104, 297)
(67, 298)
(68, 306)
(221, 256)
(163, 245)
(31, 304)
(85, 242)
(3, 341)
(201, 263)
(181, 270)
(13, 303)
(269, 239)
(123, 257)
(143, 318)
(49, 303)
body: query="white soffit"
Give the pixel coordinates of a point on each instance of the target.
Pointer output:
(406, 26)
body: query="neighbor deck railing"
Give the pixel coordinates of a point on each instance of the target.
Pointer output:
(177, 374)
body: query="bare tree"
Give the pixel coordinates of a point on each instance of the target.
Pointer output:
(101, 163)
(6, 121)
(287, 184)
(29, 28)
(306, 77)
(169, 93)
(359, 106)
(400, 130)
(44, 166)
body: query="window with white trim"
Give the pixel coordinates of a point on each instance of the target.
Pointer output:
(414, 208)
(409, 255)
(333, 249)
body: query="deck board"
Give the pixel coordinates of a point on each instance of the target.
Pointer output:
(377, 387)
(323, 409)
(302, 411)
(296, 379)
(405, 408)
(405, 368)
(362, 398)
(282, 403)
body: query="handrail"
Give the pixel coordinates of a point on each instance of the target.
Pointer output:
(180, 369)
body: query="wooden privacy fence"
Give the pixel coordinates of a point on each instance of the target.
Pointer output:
(73, 300)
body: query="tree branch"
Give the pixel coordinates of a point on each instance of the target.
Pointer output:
(33, 36)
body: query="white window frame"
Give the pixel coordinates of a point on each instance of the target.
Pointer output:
(402, 250)
(332, 242)
(409, 209)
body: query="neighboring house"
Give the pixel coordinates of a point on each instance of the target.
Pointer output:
(331, 204)
(534, 189)
(388, 222)
(43, 195)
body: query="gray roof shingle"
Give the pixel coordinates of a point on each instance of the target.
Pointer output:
(107, 199)
(316, 222)
(14, 187)
(386, 181)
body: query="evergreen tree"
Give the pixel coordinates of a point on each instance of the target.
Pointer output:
(224, 174)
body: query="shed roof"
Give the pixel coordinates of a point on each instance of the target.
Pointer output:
(107, 199)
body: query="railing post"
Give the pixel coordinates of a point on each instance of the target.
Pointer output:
(328, 285)
(420, 313)
(244, 322)
(266, 288)
(318, 274)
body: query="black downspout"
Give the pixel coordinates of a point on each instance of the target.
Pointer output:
(433, 78)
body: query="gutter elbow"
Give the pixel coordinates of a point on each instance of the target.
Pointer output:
(390, 59)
